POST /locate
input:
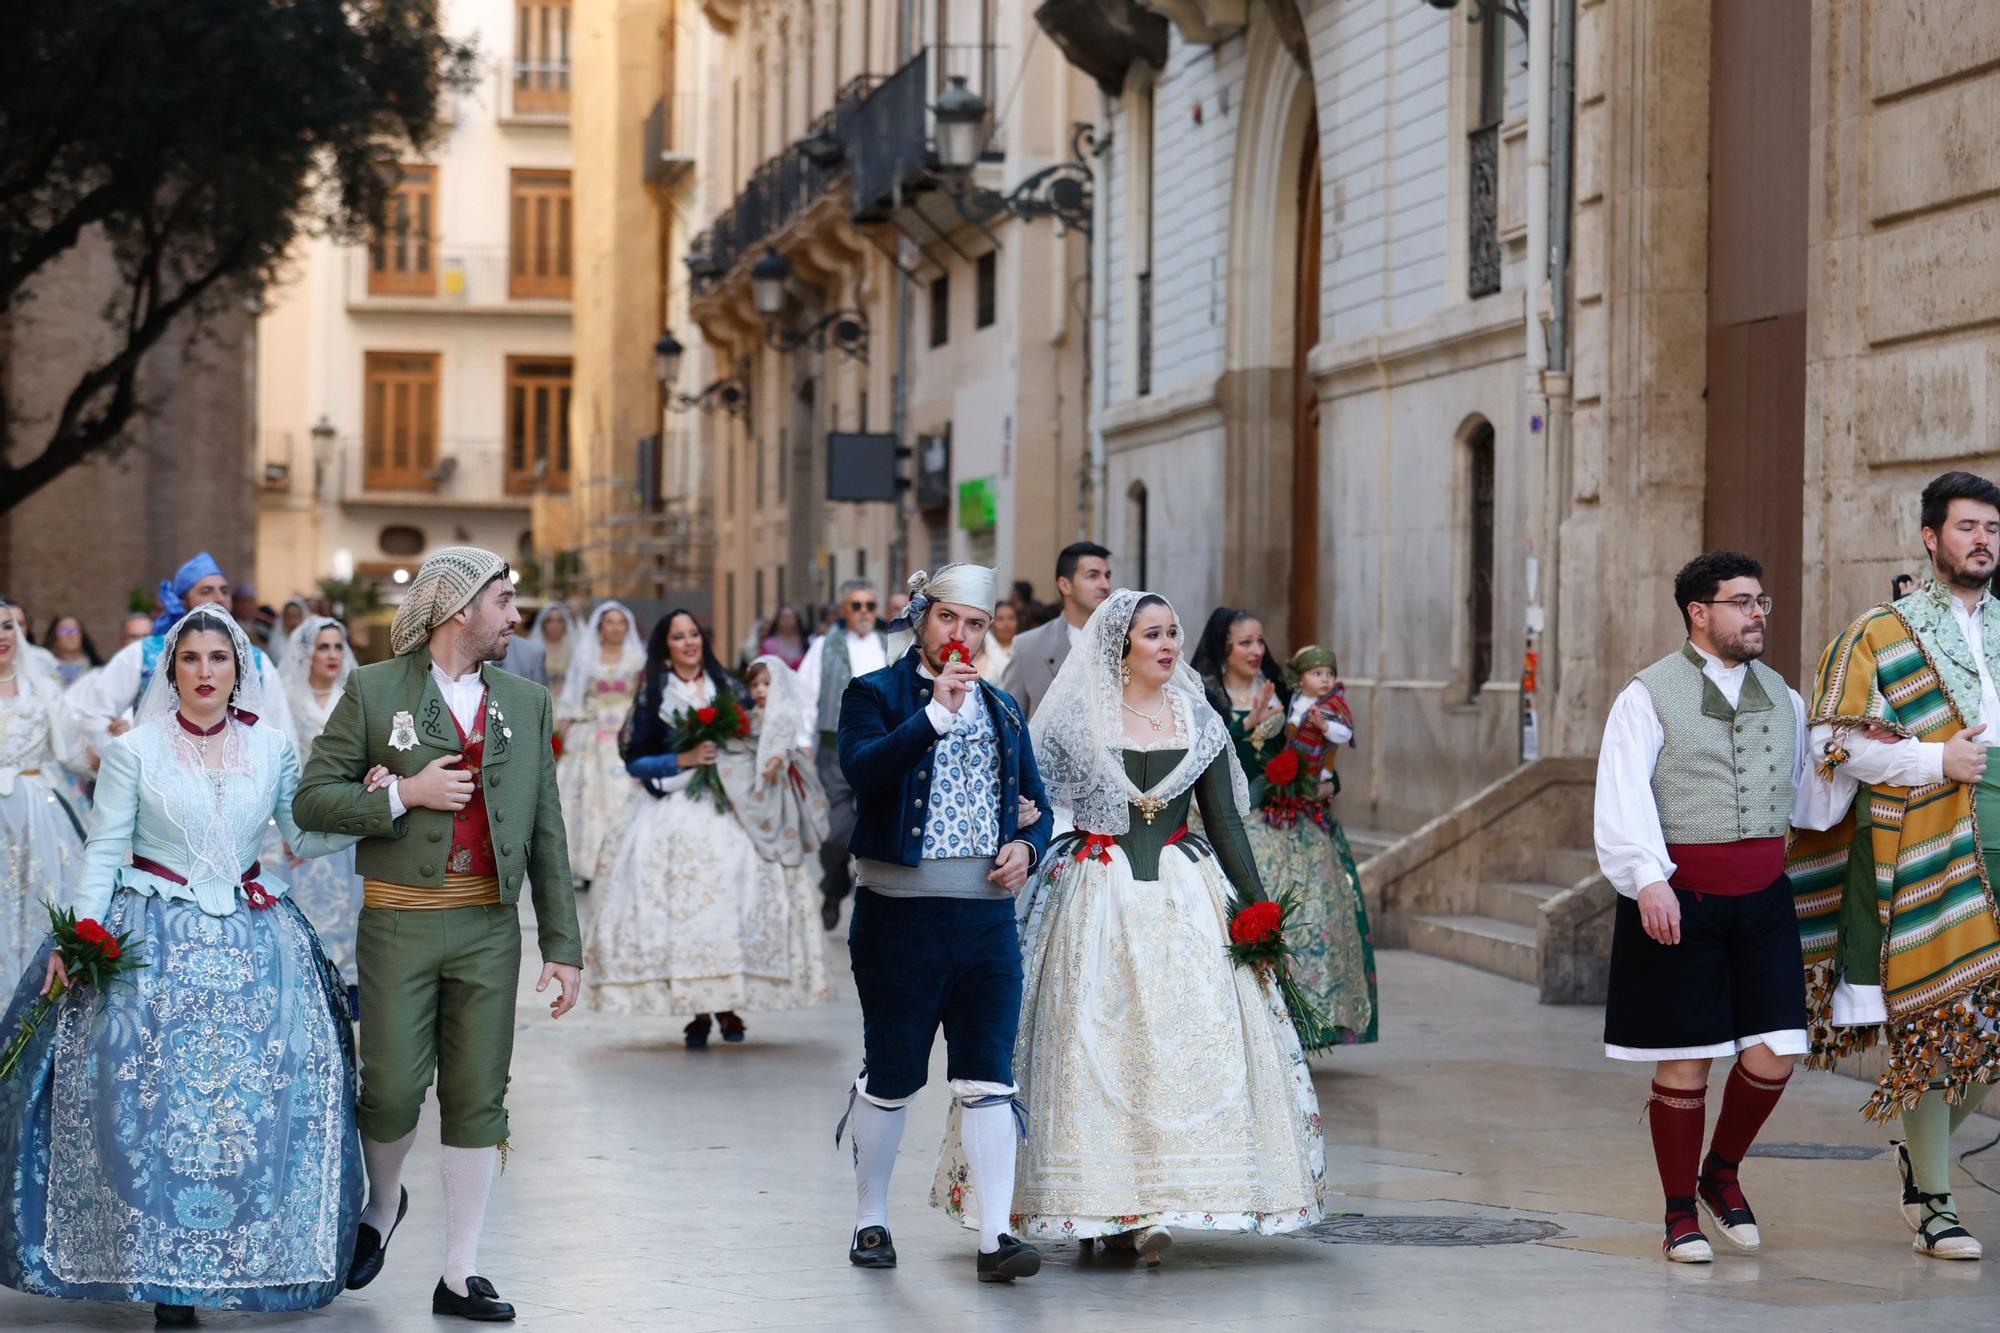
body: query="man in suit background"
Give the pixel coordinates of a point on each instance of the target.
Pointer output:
(1083, 579)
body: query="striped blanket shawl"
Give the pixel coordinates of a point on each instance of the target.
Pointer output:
(1941, 932)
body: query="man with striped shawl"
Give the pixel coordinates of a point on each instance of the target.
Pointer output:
(1897, 918)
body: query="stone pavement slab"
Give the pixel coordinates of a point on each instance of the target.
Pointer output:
(656, 1188)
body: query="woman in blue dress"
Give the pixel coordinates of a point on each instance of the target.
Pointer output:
(186, 1136)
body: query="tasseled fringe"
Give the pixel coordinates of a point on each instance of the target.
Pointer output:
(1828, 1043)
(506, 1147)
(1950, 1047)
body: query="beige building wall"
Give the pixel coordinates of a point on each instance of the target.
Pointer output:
(320, 514)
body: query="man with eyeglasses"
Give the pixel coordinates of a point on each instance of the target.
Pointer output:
(1895, 898)
(1700, 771)
(852, 648)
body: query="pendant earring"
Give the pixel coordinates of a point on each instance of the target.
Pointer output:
(1124, 675)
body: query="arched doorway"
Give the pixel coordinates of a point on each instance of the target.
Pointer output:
(1272, 553)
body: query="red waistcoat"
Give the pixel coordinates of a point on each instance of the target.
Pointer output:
(471, 834)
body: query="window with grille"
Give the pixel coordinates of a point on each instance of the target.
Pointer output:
(400, 421)
(539, 254)
(1483, 158)
(402, 254)
(988, 296)
(538, 396)
(1479, 583)
(541, 57)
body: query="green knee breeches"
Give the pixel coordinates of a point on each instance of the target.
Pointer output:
(437, 999)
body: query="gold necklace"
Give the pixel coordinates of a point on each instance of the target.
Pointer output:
(1158, 720)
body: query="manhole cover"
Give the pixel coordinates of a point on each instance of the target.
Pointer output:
(1430, 1231)
(1836, 1152)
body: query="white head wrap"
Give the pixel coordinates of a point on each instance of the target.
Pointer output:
(587, 662)
(962, 585)
(446, 585)
(295, 671)
(1079, 729)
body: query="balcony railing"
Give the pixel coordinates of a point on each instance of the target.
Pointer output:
(467, 474)
(1483, 258)
(406, 273)
(784, 187)
(535, 91)
(669, 140)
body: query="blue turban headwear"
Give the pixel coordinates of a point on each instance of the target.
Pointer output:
(174, 591)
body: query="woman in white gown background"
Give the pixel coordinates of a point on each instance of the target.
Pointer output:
(693, 919)
(598, 794)
(1164, 1085)
(41, 831)
(316, 664)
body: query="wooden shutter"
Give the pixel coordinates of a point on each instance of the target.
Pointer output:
(402, 257)
(541, 58)
(538, 396)
(539, 265)
(400, 425)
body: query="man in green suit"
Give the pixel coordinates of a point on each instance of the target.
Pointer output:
(470, 813)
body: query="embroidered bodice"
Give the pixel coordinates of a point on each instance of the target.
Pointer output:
(155, 801)
(36, 733)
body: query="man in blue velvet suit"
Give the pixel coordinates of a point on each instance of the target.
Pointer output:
(947, 828)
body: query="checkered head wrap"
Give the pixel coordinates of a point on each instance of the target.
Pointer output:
(446, 585)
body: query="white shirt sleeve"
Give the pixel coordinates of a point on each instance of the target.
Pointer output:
(809, 668)
(942, 718)
(1823, 802)
(396, 807)
(1631, 847)
(102, 697)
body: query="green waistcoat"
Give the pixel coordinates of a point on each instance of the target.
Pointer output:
(399, 701)
(1724, 774)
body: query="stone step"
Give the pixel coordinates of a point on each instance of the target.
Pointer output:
(1516, 904)
(1499, 947)
(1367, 842)
(1565, 866)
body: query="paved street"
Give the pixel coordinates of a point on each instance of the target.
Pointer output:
(656, 1188)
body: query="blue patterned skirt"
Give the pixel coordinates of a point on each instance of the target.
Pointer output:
(189, 1137)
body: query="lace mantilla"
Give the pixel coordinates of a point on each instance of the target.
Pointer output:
(1079, 728)
(162, 698)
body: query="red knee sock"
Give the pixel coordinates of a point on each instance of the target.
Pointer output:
(1747, 1102)
(1678, 1116)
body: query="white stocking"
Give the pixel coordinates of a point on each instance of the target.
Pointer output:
(468, 1179)
(385, 1177)
(878, 1133)
(988, 1133)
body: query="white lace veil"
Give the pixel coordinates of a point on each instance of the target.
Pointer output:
(295, 672)
(784, 720)
(586, 659)
(1079, 731)
(162, 698)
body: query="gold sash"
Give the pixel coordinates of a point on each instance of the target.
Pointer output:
(458, 891)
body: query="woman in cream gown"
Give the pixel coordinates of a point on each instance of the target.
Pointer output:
(315, 667)
(1164, 1086)
(597, 793)
(693, 918)
(41, 829)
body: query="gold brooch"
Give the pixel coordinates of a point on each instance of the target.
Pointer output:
(1150, 806)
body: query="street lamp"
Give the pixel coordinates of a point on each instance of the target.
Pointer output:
(667, 357)
(323, 433)
(961, 115)
(768, 277)
(730, 394)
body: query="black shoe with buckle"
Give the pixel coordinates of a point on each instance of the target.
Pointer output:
(697, 1032)
(732, 1026)
(480, 1302)
(872, 1248)
(1014, 1258)
(175, 1316)
(371, 1247)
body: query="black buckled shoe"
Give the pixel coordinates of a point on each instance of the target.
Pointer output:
(175, 1316)
(371, 1247)
(732, 1026)
(872, 1248)
(480, 1302)
(696, 1032)
(1014, 1258)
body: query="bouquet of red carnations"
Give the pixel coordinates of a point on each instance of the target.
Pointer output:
(1257, 939)
(91, 955)
(1289, 791)
(721, 722)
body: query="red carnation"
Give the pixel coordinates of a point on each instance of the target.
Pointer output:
(555, 744)
(955, 652)
(706, 715)
(89, 930)
(1283, 770)
(1256, 923)
(111, 949)
(742, 723)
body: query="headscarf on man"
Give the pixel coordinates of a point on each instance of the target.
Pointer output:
(977, 586)
(445, 585)
(174, 591)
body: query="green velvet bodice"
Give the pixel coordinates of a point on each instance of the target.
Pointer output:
(1144, 841)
